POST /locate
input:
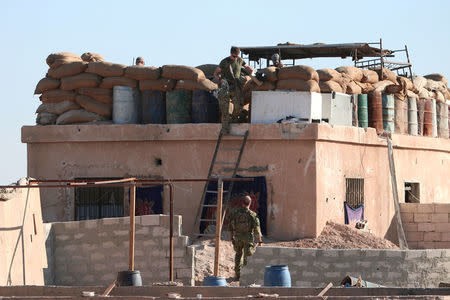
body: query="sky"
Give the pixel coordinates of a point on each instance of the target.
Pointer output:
(194, 33)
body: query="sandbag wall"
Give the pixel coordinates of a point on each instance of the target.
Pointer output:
(80, 89)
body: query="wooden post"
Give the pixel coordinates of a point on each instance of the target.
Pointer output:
(171, 235)
(218, 225)
(132, 226)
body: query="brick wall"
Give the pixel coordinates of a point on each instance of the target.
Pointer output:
(93, 252)
(318, 267)
(427, 226)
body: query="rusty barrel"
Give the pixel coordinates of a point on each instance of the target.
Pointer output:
(434, 132)
(388, 104)
(401, 116)
(427, 119)
(420, 114)
(412, 116)
(375, 111)
(442, 118)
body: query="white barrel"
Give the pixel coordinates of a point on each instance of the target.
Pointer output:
(412, 116)
(125, 105)
(442, 116)
(434, 132)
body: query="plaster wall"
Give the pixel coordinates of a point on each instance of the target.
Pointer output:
(22, 251)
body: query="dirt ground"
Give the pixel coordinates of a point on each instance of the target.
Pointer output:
(333, 236)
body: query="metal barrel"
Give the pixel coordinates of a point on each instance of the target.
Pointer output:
(125, 105)
(442, 116)
(388, 103)
(153, 107)
(401, 116)
(375, 111)
(178, 106)
(363, 112)
(420, 115)
(434, 132)
(412, 116)
(427, 119)
(205, 107)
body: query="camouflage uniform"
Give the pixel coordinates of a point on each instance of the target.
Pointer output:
(231, 90)
(244, 225)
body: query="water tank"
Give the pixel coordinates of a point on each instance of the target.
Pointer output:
(125, 105)
(153, 107)
(178, 106)
(205, 107)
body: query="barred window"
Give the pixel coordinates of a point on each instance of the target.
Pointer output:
(354, 191)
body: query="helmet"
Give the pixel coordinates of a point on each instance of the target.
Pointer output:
(275, 57)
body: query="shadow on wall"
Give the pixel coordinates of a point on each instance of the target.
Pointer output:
(391, 233)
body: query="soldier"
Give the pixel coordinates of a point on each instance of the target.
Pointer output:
(244, 227)
(229, 70)
(276, 61)
(140, 61)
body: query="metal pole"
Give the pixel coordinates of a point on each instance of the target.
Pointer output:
(218, 225)
(132, 226)
(171, 233)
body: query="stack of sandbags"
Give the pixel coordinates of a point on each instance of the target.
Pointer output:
(437, 87)
(330, 80)
(299, 78)
(357, 81)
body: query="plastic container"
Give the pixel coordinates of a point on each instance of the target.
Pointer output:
(205, 107)
(129, 278)
(125, 105)
(363, 113)
(178, 106)
(153, 107)
(277, 275)
(214, 281)
(388, 103)
(412, 117)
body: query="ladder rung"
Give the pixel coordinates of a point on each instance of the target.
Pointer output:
(210, 205)
(229, 149)
(225, 163)
(215, 192)
(207, 220)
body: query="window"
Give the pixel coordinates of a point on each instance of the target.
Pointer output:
(354, 192)
(412, 192)
(98, 202)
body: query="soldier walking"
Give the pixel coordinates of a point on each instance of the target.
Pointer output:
(244, 228)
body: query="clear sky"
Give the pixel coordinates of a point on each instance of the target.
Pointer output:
(194, 33)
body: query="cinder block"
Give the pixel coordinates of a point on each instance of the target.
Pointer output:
(414, 236)
(309, 252)
(342, 265)
(299, 263)
(143, 231)
(91, 224)
(97, 256)
(121, 232)
(177, 253)
(72, 225)
(445, 236)
(310, 274)
(99, 267)
(422, 218)
(364, 264)
(333, 275)
(150, 220)
(111, 221)
(412, 245)
(108, 277)
(425, 208)
(330, 253)
(352, 253)
(160, 232)
(409, 207)
(408, 217)
(321, 264)
(185, 273)
(443, 245)
(78, 236)
(441, 207)
(61, 237)
(431, 236)
(414, 254)
(304, 284)
(442, 227)
(288, 252)
(435, 253)
(439, 218)
(394, 275)
(410, 226)
(108, 244)
(426, 227)
(372, 253)
(126, 221)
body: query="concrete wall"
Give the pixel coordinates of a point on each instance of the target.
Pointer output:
(22, 251)
(427, 226)
(305, 166)
(93, 252)
(318, 267)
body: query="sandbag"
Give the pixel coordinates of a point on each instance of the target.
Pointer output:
(380, 86)
(142, 73)
(298, 72)
(110, 82)
(94, 106)
(182, 72)
(61, 56)
(265, 86)
(411, 94)
(162, 84)
(68, 69)
(438, 96)
(424, 93)
(55, 96)
(419, 82)
(91, 56)
(78, 116)
(205, 84)
(271, 73)
(405, 83)
(80, 81)
(328, 74)
(46, 118)
(100, 94)
(353, 88)
(105, 69)
(365, 87)
(355, 73)
(57, 108)
(437, 77)
(369, 76)
(329, 86)
(208, 70)
(298, 85)
(435, 85)
(386, 74)
(46, 84)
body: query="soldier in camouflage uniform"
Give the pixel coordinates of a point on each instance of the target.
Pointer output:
(229, 75)
(244, 228)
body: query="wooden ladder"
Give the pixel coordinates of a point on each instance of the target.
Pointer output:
(219, 148)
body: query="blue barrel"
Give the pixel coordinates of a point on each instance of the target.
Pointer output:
(178, 106)
(277, 276)
(129, 278)
(153, 107)
(388, 104)
(363, 112)
(214, 281)
(205, 107)
(125, 105)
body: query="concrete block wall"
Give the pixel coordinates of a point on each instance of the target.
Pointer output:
(92, 252)
(318, 267)
(427, 226)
